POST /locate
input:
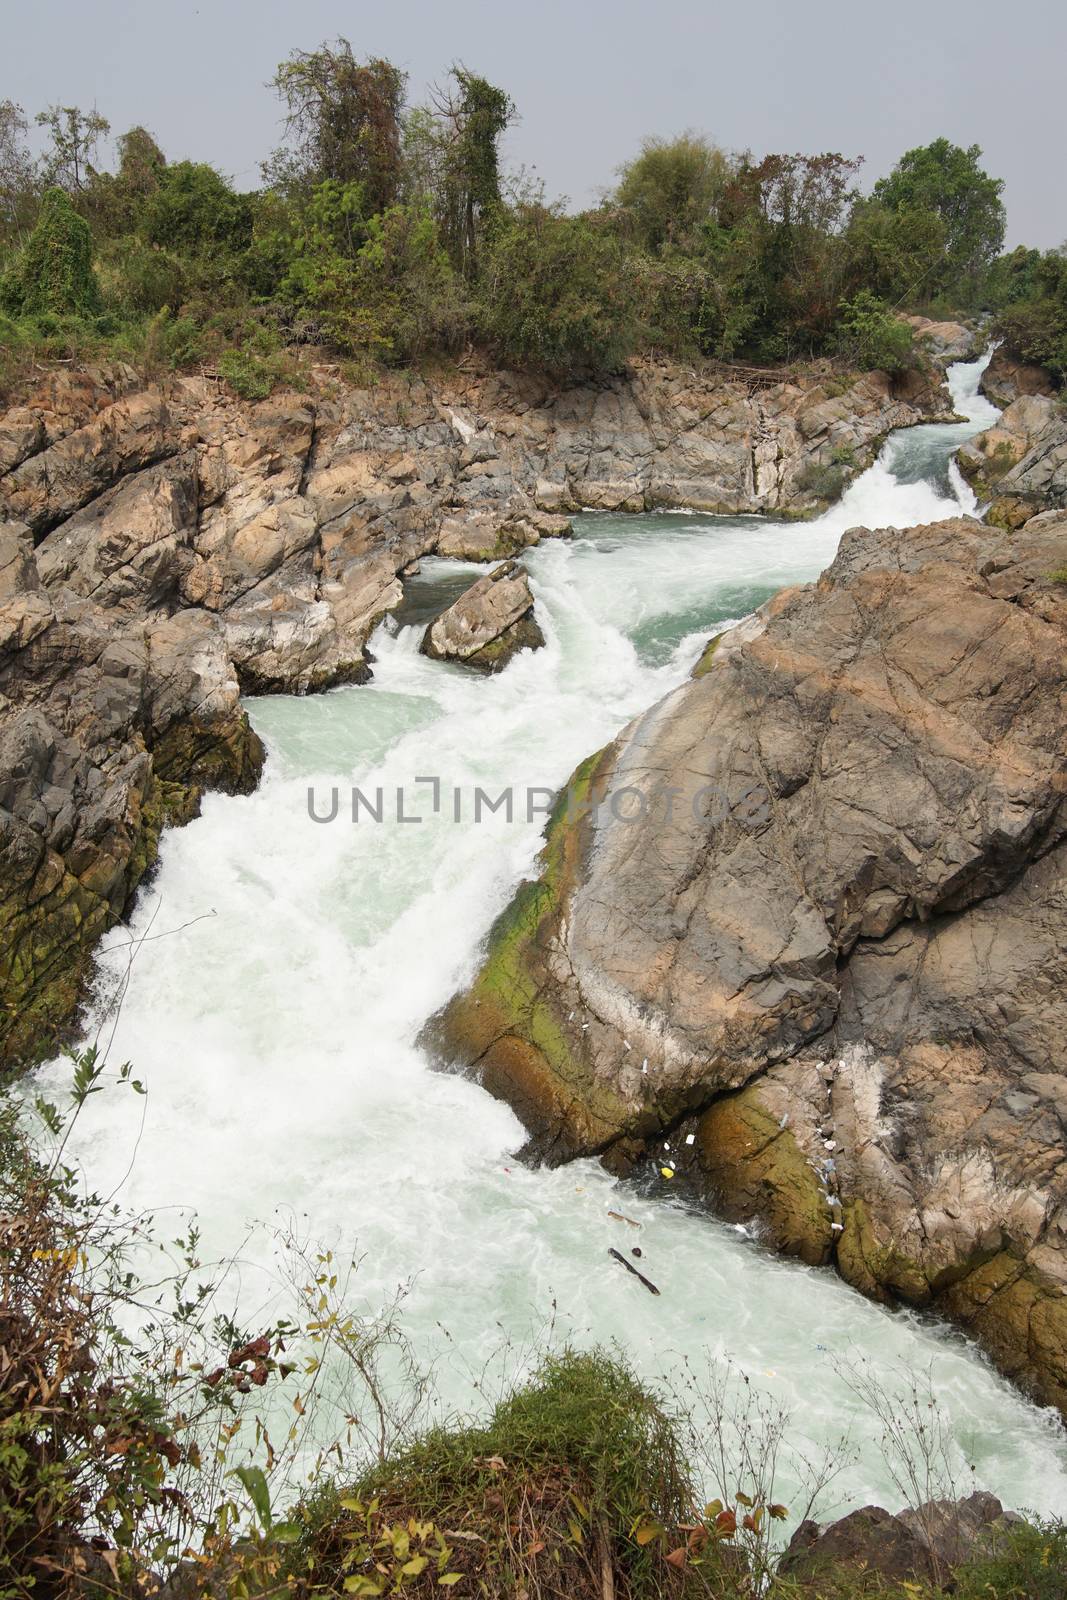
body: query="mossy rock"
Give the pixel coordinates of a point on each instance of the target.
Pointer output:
(494, 657)
(511, 1026)
(707, 656)
(754, 1168)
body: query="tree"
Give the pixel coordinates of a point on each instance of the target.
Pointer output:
(786, 215)
(455, 150)
(870, 336)
(344, 118)
(945, 178)
(18, 175)
(893, 253)
(673, 188)
(114, 203)
(75, 136)
(193, 211)
(382, 285)
(557, 293)
(1031, 289)
(54, 274)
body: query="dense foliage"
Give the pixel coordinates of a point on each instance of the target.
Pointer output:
(387, 232)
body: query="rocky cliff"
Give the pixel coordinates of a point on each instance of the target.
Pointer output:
(164, 548)
(804, 927)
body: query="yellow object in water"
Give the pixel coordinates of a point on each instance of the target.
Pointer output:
(668, 1172)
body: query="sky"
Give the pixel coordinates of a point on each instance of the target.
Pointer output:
(591, 78)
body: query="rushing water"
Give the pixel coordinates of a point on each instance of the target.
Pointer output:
(277, 1036)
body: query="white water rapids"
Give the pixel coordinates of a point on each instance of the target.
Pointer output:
(277, 1036)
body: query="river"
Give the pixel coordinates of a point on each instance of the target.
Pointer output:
(277, 1034)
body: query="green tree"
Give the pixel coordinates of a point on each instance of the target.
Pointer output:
(893, 253)
(945, 178)
(54, 273)
(343, 118)
(74, 135)
(382, 285)
(114, 202)
(194, 211)
(1032, 319)
(673, 188)
(785, 218)
(557, 293)
(870, 336)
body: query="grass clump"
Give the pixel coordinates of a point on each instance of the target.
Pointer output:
(577, 1479)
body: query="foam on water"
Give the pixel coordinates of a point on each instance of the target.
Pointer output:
(277, 1034)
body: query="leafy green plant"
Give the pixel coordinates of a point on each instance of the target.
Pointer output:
(869, 335)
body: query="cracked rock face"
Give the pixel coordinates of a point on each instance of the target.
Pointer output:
(488, 624)
(810, 909)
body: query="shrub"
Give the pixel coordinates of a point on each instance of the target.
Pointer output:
(868, 334)
(578, 1473)
(556, 293)
(136, 276)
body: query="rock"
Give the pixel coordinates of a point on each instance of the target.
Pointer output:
(869, 1540)
(946, 341)
(488, 624)
(920, 1546)
(1006, 378)
(1022, 461)
(46, 487)
(482, 536)
(750, 889)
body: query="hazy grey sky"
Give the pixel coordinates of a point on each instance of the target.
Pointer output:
(591, 77)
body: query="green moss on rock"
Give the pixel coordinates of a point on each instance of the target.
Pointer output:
(510, 1024)
(755, 1168)
(707, 656)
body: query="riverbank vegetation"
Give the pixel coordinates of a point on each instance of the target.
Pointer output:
(385, 232)
(147, 1439)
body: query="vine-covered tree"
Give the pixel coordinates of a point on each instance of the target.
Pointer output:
(472, 118)
(343, 118)
(54, 273)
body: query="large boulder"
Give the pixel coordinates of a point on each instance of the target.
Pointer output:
(1007, 377)
(946, 341)
(922, 1545)
(811, 909)
(1021, 462)
(491, 622)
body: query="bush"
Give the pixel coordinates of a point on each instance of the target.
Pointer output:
(135, 276)
(556, 293)
(578, 1473)
(869, 335)
(1029, 1563)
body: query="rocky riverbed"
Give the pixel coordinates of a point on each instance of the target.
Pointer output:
(164, 548)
